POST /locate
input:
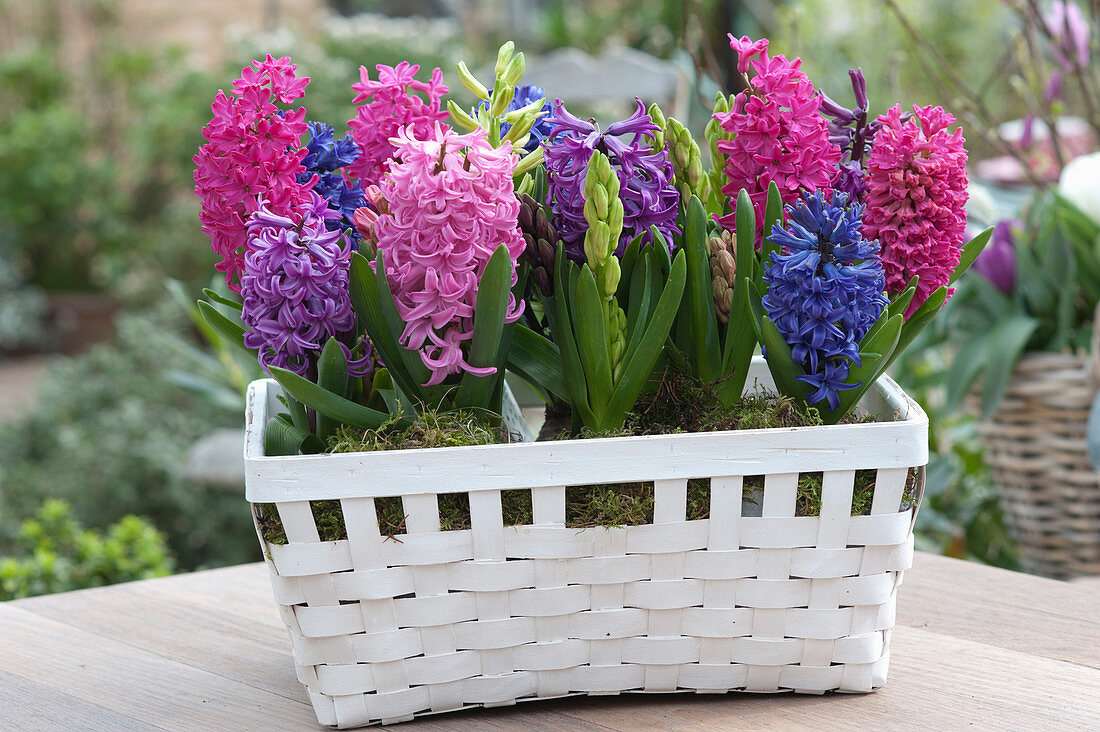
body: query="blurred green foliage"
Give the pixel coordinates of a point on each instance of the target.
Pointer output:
(54, 553)
(109, 434)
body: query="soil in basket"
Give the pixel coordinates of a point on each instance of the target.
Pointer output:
(677, 404)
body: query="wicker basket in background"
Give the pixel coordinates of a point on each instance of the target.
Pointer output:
(1037, 452)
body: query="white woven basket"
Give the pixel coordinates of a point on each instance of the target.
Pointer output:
(387, 628)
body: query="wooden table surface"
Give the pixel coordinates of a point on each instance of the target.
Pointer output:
(975, 647)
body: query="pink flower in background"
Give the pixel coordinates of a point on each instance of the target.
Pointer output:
(916, 199)
(451, 205)
(779, 133)
(251, 153)
(1070, 31)
(391, 108)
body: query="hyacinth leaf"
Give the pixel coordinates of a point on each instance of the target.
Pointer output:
(637, 369)
(222, 300)
(486, 343)
(283, 438)
(332, 376)
(563, 336)
(638, 306)
(848, 398)
(297, 412)
(918, 322)
(773, 213)
(902, 300)
(740, 342)
(539, 362)
(590, 328)
(325, 402)
(970, 252)
(706, 353)
(628, 261)
(664, 252)
(366, 301)
(223, 326)
(876, 350)
(784, 370)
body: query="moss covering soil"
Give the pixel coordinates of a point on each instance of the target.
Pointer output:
(677, 404)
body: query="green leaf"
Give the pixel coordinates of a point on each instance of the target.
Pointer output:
(562, 328)
(332, 376)
(740, 341)
(773, 212)
(223, 326)
(1005, 344)
(413, 365)
(366, 301)
(216, 297)
(876, 350)
(920, 319)
(642, 289)
(298, 416)
(637, 370)
(590, 328)
(538, 361)
(281, 438)
(485, 350)
(705, 349)
(784, 370)
(970, 252)
(326, 403)
(628, 262)
(662, 249)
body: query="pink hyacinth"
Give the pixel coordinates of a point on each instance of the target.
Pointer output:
(391, 108)
(779, 133)
(916, 197)
(251, 153)
(451, 205)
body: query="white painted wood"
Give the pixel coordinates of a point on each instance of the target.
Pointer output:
(387, 628)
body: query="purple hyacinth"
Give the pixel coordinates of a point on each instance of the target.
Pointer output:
(325, 156)
(824, 289)
(295, 288)
(646, 189)
(997, 262)
(850, 129)
(524, 95)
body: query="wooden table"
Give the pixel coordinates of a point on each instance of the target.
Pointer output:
(974, 647)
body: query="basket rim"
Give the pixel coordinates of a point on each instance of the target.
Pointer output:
(894, 444)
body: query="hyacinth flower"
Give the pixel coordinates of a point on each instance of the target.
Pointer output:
(251, 154)
(387, 105)
(437, 301)
(825, 291)
(850, 129)
(508, 112)
(325, 157)
(916, 193)
(778, 133)
(602, 353)
(647, 188)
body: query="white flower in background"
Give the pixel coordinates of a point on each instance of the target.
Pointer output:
(1080, 184)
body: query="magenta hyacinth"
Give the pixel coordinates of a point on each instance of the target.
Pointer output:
(451, 205)
(295, 287)
(647, 191)
(778, 132)
(251, 154)
(916, 193)
(394, 104)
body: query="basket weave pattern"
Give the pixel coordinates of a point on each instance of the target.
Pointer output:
(385, 628)
(1037, 453)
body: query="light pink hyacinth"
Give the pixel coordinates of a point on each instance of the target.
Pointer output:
(779, 133)
(451, 205)
(916, 199)
(393, 104)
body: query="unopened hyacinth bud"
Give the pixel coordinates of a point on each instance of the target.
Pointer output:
(723, 271)
(540, 240)
(687, 164)
(658, 118)
(604, 213)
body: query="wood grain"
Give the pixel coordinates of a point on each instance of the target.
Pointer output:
(974, 646)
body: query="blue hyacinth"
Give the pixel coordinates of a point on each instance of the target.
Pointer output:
(527, 94)
(325, 156)
(825, 289)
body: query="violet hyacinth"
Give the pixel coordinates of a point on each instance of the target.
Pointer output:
(295, 288)
(850, 130)
(997, 262)
(825, 289)
(451, 205)
(647, 189)
(325, 157)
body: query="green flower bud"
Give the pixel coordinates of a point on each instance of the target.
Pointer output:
(514, 71)
(504, 57)
(460, 117)
(472, 85)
